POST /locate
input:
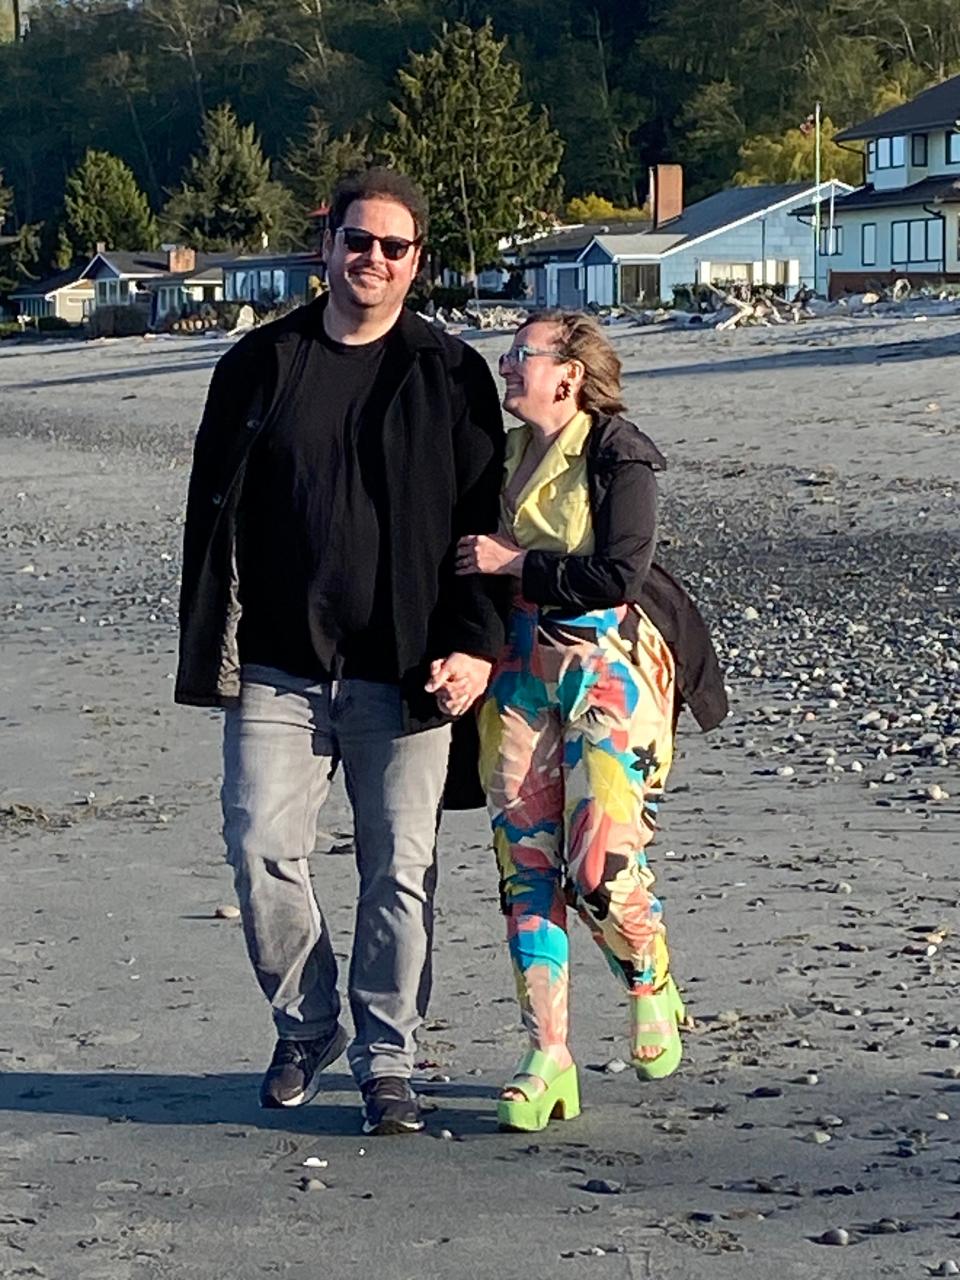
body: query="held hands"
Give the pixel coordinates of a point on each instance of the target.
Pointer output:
(489, 553)
(458, 681)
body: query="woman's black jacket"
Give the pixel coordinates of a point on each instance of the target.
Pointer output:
(621, 462)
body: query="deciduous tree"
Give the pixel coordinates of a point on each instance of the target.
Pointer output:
(596, 208)
(790, 157)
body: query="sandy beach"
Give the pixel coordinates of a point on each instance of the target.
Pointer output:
(808, 866)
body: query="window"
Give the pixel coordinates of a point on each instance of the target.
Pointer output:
(868, 244)
(886, 153)
(898, 242)
(831, 241)
(935, 240)
(918, 150)
(916, 240)
(953, 148)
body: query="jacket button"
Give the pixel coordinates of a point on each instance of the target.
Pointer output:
(252, 424)
(217, 499)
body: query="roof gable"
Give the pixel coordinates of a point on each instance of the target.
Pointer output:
(709, 217)
(41, 288)
(125, 264)
(568, 242)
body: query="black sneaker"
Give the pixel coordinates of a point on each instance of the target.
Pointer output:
(390, 1106)
(293, 1076)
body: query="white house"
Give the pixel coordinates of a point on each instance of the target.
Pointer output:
(745, 235)
(905, 219)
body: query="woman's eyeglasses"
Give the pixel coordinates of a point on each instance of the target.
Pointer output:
(518, 356)
(393, 248)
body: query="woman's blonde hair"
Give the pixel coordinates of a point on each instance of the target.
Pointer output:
(582, 339)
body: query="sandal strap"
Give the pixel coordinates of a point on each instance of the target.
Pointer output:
(656, 1017)
(538, 1064)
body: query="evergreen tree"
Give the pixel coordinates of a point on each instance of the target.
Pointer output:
(227, 199)
(103, 202)
(486, 160)
(20, 252)
(314, 164)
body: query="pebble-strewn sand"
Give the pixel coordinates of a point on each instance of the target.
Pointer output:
(809, 866)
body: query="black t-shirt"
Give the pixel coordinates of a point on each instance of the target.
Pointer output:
(314, 509)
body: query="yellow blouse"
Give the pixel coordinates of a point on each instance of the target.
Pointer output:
(552, 510)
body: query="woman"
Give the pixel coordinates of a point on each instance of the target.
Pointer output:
(577, 726)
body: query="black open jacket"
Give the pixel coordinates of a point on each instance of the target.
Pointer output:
(621, 462)
(444, 445)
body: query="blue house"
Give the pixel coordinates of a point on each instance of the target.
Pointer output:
(746, 235)
(270, 278)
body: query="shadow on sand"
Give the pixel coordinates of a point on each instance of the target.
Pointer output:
(812, 357)
(141, 371)
(228, 1098)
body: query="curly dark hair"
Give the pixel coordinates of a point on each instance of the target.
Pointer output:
(387, 184)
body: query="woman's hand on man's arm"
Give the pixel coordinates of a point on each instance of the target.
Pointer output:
(489, 553)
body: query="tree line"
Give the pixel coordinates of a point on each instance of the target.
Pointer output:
(225, 121)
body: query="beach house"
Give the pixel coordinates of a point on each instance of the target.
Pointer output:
(158, 280)
(905, 218)
(65, 296)
(743, 235)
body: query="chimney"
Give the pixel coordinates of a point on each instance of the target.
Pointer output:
(666, 193)
(101, 246)
(180, 259)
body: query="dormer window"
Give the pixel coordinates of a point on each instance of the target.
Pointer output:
(886, 153)
(918, 148)
(953, 148)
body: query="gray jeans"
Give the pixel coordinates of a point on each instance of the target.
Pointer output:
(281, 747)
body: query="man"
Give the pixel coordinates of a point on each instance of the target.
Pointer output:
(342, 452)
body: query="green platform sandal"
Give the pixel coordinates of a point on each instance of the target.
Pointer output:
(560, 1098)
(656, 1025)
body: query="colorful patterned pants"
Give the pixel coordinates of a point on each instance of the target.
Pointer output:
(576, 736)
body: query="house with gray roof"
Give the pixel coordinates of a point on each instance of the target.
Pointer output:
(65, 295)
(745, 235)
(905, 218)
(549, 261)
(271, 278)
(157, 280)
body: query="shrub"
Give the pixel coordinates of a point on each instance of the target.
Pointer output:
(118, 322)
(54, 324)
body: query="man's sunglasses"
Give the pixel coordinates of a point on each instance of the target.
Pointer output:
(393, 248)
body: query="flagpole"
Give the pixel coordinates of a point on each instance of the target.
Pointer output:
(816, 216)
